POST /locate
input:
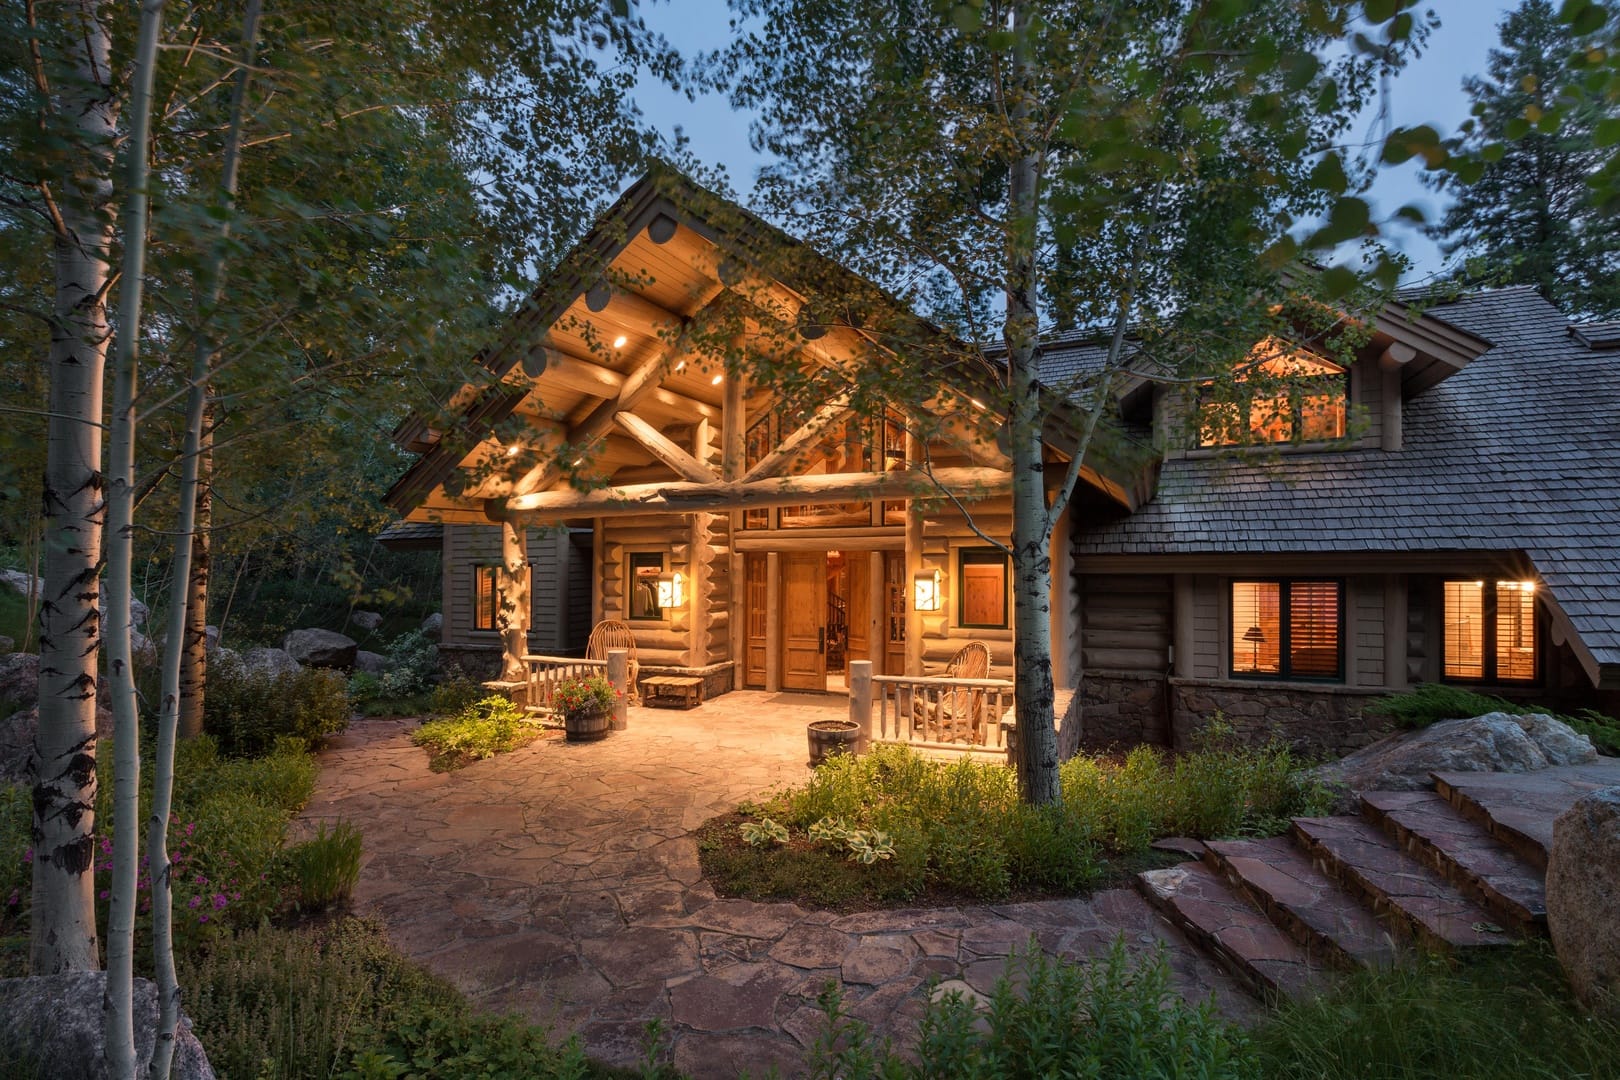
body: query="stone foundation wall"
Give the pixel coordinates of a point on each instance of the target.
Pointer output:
(481, 663)
(1122, 709)
(1312, 719)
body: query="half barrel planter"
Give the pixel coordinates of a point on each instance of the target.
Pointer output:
(831, 737)
(587, 727)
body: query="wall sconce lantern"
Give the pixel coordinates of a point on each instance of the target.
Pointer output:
(671, 590)
(928, 590)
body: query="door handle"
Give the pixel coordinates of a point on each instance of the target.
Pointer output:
(821, 639)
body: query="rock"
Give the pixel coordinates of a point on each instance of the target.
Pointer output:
(138, 612)
(370, 662)
(21, 581)
(19, 679)
(56, 1020)
(433, 624)
(17, 741)
(1495, 742)
(1583, 893)
(225, 657)
(366, 620)
(274, 661)
(321, 648)
(210, 638)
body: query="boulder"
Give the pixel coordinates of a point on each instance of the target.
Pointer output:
(210, 638)
(433, 625)
(56, 1020)
(17, 741)
(1583, 894)
(21, 581)
(321, 648)
(370, 662)
(138, 612)
(274, 661)
(1495, 742)
(366, 620)
(19, 679)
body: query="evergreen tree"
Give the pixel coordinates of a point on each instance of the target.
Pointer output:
(1526, 213)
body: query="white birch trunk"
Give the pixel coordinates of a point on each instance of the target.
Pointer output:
(178, 640)
(512, 605)
(1037, 758)
(63, 933)
(118, 1010)
(194, 655)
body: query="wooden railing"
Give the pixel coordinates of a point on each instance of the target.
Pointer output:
(546, 673)
(953, 715)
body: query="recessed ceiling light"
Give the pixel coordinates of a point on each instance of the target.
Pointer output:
(716, 381)
(619, 342)
(513, 450)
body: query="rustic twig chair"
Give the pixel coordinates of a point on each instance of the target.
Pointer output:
(958, 715)
(613, 634)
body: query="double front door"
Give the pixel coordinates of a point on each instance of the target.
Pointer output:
(824, 616)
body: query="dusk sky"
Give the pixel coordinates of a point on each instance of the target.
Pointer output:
(1430, 91)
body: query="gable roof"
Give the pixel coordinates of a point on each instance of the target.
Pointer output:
(676, 253)
(1517, 452)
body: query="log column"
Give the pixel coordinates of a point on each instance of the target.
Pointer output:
(512, 613)
(914, 564)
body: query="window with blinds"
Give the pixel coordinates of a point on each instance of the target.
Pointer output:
(1287, 629)
(486, 597)
(1489, 631)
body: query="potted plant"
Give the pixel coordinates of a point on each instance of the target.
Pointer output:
(586, 703)
(829, 737)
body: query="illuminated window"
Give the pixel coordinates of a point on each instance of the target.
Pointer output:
(1282, 395)
(1490, 631)
(487, 596)
(645, 566)
(982, 589)
(1286, 629)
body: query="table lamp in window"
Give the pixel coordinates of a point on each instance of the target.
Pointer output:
(1256, 636)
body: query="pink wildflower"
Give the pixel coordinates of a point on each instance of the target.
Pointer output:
(194, 902)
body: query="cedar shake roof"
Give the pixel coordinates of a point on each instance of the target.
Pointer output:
(1518, 452)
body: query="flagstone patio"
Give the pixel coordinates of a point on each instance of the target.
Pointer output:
(562, 882)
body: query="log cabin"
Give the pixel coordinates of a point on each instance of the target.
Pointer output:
(1443, 508)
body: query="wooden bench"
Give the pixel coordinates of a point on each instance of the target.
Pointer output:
(685, 691)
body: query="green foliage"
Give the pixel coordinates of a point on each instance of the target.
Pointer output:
(489, 726)
(1116, 1018)
(247, 711)
(413, 665)
(14, 622)
(584, 695)
(1431, 703)
(1504, 1016)
(326, 867)
(338, 1001)
(762, 833)
(1523, 209)
(453, 695)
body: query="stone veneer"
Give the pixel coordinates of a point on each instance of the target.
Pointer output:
(1126, 708)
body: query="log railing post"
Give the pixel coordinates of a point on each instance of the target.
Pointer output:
(618, 673)
(860, 700)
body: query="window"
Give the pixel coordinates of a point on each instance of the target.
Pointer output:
(982, 596)
(1282, 395)
(1286, 629)
(487, 595)
(1490, 631)
(645, 566)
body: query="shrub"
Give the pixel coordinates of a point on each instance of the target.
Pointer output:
(1507, 1015)
(453, 695)
(326, 867)
(247, 711)
(489, 726)
(413, 665)
(1113, 1018)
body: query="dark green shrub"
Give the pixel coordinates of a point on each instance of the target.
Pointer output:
(453, 695)
(326, 867)
(1112, 1019)
(247, 711)
(413, 665)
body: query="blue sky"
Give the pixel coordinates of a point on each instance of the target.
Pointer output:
(1430, 91)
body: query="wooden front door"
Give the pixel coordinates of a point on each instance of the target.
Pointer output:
(804, 621)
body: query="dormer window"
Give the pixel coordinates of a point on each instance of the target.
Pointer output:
(1280, 394)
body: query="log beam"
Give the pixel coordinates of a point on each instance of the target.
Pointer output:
(660, 447)
(774, 462)
(685, 498)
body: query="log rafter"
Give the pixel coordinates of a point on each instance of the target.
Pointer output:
(660, 447)
(823, 419)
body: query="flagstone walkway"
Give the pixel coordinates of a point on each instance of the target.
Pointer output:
(562, 882)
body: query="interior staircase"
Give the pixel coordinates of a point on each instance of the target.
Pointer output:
(1462, 866)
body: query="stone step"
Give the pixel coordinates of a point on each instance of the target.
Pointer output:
(1519, 808)
(1230, 929)
(1437, 834)
(1275, 876)
(1355, 853)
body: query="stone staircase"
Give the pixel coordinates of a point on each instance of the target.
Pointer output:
(1460, 867)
